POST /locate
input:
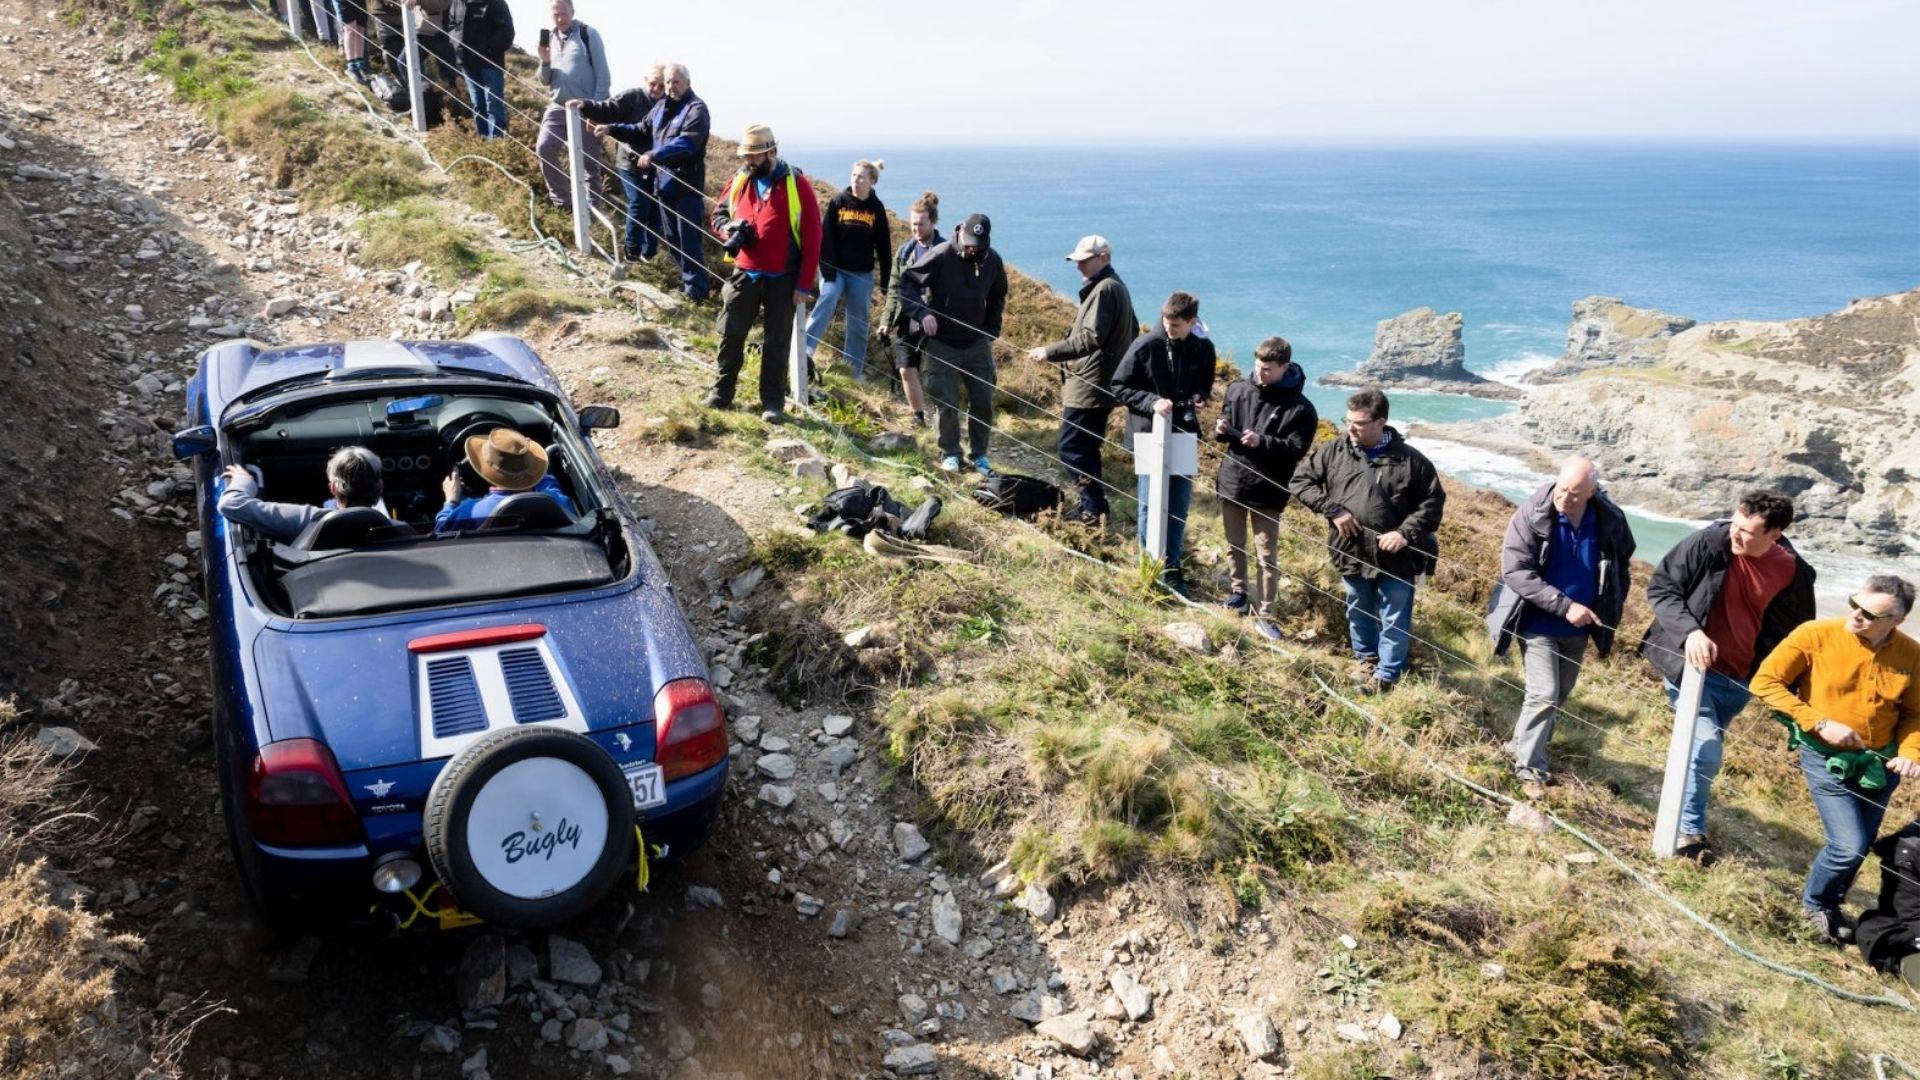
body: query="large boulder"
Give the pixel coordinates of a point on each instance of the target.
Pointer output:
(1608, 332)
(1420, 350)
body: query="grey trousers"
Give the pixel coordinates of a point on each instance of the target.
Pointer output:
(551, 147)
(1552, 666)
(947, 368)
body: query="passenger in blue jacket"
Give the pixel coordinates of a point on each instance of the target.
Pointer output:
(1167, 372)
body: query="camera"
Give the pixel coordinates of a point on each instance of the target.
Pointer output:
(546, 37)
(736, 234)
(1185, 419)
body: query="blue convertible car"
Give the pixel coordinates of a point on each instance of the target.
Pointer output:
(492, 724)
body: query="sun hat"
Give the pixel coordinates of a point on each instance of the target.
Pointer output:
(1089, 247)
(757, 140)
(507, 459)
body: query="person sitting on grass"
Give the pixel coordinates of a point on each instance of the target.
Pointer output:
(510, 463)
(1267, 425)
(353, 479)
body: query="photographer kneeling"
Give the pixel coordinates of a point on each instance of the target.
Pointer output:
(769, 222)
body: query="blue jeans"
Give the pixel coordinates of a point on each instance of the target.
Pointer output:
(680, 229)
(1179, 498)
(858, 289)
(1851, 817)
(487, 92)
(643, 214)
(1721, 699)
(1380, 622)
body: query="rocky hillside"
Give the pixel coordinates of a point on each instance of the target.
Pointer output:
(1686, 416)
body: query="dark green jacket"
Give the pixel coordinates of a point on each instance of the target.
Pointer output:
(1102, 329)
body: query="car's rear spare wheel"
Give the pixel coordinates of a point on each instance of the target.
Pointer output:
(530, 826)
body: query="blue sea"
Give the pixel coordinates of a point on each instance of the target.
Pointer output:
(1319, 243)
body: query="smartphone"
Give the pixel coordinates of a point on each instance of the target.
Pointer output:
(546, 37)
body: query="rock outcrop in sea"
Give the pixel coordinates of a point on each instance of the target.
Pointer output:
(1826, 409)
(1609, 332)
(1420, 350)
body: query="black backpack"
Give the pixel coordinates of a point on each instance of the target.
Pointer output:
(857, 510)
(1890, 930)
(1021, 496)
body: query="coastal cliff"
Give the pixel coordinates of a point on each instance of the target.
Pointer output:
(1420, 350)
(1824, 408)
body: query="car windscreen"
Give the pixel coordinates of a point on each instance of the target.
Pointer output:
(436, 573)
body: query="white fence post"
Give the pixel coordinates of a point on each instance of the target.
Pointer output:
(293, 20)
(1686, 715)
(797, 355)
(1160, 455)
(416, 81)
(577, 171)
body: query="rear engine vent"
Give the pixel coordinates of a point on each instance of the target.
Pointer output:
(455, 697)
(530, 686)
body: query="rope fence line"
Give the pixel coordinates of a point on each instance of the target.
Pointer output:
(545, 242)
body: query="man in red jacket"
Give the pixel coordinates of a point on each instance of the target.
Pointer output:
(769, 222)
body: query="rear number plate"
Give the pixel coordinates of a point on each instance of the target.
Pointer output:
(648, 788)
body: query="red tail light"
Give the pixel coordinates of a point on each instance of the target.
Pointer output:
(689, 730)
(296, 797)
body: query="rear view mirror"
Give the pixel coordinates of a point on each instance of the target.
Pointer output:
(598, 416)
(193, 442)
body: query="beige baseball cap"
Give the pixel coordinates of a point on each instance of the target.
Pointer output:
(1088, 247)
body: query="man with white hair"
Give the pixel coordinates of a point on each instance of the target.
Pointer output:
(353, 479)
(1563, 582)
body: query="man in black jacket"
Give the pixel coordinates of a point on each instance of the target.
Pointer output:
(1167, 371)
(624, 117)
(1102, 329)
(486, 32)
(1563, 582)
(1382, 500)
(958, 293)
(1267, 425)
(1722, 599)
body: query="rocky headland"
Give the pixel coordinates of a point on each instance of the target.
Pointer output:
(1420, 350)
(1685, 417)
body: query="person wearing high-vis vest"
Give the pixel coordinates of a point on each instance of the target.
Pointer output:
(769, 222)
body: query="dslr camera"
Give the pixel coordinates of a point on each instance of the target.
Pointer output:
(736, 234)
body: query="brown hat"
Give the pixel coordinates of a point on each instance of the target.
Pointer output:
(507, 459)
(757, 140)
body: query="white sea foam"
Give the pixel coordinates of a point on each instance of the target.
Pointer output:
(1513, 372)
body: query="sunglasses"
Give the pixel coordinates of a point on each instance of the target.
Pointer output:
(1866, 615)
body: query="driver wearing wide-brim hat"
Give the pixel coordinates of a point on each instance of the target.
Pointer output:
(510, 463)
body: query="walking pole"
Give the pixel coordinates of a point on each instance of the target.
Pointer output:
(1686, 715)
(416, 84)
(576, 170)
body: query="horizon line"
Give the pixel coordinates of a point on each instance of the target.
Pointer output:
(1904, 140)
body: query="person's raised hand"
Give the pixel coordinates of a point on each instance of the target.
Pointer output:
(1163, 407)
(450, 487)
(1037, 354)
(1903, 766)
(236, 474)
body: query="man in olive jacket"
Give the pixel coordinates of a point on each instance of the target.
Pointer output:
(1563, 582)
(1382, 500)
(1102, 329)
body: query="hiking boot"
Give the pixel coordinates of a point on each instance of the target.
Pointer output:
(1375, 687)
(1176, 581)
(1694, 848)
(1829, 925)
(1266, 629)
(919, 418)
(1362, 670)
(1235, 602)
(772, 416)
(715, 401)
(1085, 515)
(1533, 782)
(982, 466)
(950, 463)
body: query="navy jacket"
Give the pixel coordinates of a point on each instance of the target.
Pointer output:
(1523, 559)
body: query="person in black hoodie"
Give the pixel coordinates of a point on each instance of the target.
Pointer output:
(1267, 425)
(958, 294)
(1167, 371)
(854, 240)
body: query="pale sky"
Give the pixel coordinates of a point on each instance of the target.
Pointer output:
(1139, 73)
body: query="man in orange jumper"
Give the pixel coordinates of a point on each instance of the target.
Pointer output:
(1851, 687)
(769, 222)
